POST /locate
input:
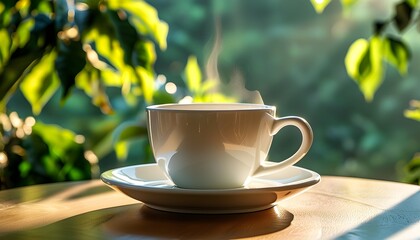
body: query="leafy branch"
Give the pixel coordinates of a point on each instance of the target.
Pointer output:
(91, 45)
(367, 59)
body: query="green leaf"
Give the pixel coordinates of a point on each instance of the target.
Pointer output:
(4, 48)
(7, 9)
(147, 83)
(89, 79)
(209, 84)
(403, 15)
(412, 170)
(60, 154)
(121, 150)
(357, 51)
(320, 5)
(193, 75)
(397, 54)
(16, 67)
(412, 114)
(70, 60)
(145, 55)
(217, 98)
(97, 60)
(364, 64)
(41, 83)
(56, 136)
(144, 18)
(125, 33)
(414, 111)
(348, 3)
(412, 3)
(21, 60)
(124, 134)
(129, 131)
(23, 33)
(162, 97)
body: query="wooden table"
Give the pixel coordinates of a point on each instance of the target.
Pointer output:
(337, 207)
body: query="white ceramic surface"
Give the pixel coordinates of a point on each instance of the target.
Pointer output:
(148, 184)
(219, 146)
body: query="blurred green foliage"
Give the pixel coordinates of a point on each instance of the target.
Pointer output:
(33, 153)
(65, 47)
(412, 170)
(296, 59)
(89, 44)
(51, 46)
(365, 59)
(283, 49)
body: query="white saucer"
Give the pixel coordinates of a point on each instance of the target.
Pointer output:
(148, 184)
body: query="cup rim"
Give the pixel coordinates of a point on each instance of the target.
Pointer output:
(210, 107)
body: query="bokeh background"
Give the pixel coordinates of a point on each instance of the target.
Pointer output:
(294, 57)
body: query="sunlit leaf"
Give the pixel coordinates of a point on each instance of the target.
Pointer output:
(217, 98)
(129, 131)
(209, 84)
(397, 54)
(145, 19)
(348, 3)
(56, 154)
(121, 150)
(41, 83)
(4, 47)
(96, 59)
(320, 5)
(23, 33)
(364, 64)
(54, 135)
(145, 55)
(7, 10)
(412, 3)
(125, 33)
(41, 7)
(414, 111)
(412, 114)
(403, 15)
(85, 78)
(101, 99)
(147, 83)
(193, 74)
(162, 97)
(103, 41)
(18, 64)
(354, 57)
(412, 170)
(24, 168)
(23, 7)
(91, 82)
(124, 135)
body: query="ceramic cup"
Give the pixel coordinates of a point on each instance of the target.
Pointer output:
(218, 146)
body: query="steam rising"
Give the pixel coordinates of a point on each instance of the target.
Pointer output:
(237, 83)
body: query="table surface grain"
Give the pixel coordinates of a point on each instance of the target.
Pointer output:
(335, 208)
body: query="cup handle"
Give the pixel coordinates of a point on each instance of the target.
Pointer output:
(307, 138)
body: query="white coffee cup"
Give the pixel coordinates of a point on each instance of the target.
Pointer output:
(218, 146)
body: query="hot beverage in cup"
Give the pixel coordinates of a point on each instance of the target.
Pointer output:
(218, 146)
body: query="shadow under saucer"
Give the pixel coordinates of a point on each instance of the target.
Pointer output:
(150, 223)
(137, 221)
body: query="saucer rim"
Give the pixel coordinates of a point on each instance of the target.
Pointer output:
(313, 179)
